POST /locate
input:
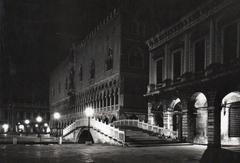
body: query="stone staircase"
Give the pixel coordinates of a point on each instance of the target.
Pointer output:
(139, 137)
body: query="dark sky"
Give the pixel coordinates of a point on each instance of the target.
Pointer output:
(38, 33)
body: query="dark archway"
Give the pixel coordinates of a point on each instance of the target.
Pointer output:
(106, 120)
(85, 136)
(113, 119)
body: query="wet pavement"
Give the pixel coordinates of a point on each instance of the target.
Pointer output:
(81, 153)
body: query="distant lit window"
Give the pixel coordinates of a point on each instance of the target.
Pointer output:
(159, 68)
(109, 59)
(230, 39)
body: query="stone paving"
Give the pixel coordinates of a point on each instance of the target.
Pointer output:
(81, 153)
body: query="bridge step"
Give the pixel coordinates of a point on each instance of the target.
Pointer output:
(139, 137)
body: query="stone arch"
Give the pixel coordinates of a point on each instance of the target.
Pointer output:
(176, 116)
(230, 119)
(84, 135)
(198, 118)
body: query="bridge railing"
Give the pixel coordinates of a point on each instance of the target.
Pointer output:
(146, 126)
(104, 128)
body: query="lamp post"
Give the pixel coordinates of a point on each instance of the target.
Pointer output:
(57, 116)
(27, 122)
(89, 113)
(39, 120)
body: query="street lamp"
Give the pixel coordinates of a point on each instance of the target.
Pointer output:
(39, 120)
(56, 116)
(5, 127)
(27, 122)
(89, 113)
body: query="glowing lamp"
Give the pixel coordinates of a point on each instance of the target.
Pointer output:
(39, 119)
(5, 127)
(89, 112)
(26, 121)
(56, 115)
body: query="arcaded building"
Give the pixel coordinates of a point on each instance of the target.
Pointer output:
(107, 71)
(194, 72)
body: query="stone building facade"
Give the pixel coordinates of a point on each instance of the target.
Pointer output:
(108, 71)
(194, 72)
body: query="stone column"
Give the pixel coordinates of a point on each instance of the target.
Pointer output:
(168, 120)
(150, 114)
(214, 139)
(186, 67)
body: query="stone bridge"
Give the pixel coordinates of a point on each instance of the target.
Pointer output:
(96, 131)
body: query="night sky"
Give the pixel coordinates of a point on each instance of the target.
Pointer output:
(38, 33)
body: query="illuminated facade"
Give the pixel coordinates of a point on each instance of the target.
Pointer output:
(106, 71)
(194, 75)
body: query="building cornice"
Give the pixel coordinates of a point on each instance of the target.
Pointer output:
(187, 22)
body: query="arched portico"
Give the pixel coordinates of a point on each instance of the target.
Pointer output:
(230, 119)
(177, 116)
(198, 115)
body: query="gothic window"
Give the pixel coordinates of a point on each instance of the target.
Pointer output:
(92, 69)
(71, 78)
(109, 59)
(80, 73)
(136, 59)
(199, 54)
(159, 70)
(230, 38)
(177, 54)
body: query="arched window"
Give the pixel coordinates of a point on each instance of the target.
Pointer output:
(109, 59)
(80, 74)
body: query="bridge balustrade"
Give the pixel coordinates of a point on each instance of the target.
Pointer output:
(99, 126)
(146, 126)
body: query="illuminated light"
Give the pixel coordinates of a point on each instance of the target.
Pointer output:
(36, 125)
(5, 127)
(201, 101)
(48, 130)
(26, 121)
(89, 112)
(39, 119)
(45, 125)
(56, 115)
(21, 127)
